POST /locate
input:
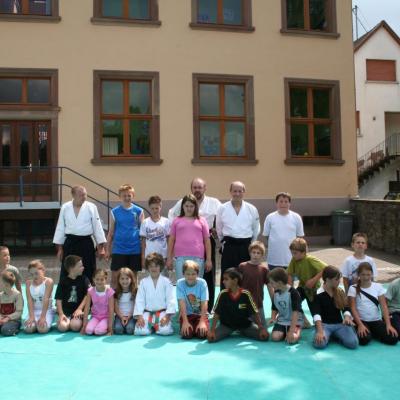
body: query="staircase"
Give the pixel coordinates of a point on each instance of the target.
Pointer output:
(378, 158)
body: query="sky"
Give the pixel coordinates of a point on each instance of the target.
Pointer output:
(371, 12)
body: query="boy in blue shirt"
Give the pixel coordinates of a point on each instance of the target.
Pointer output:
(123, 240)
(192, 295)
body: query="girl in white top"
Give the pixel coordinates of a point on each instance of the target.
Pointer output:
(124, 295)
(38, 293)
(368, 304)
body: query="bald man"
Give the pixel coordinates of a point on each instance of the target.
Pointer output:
(238, 224)
(78, 223)
(208, 207)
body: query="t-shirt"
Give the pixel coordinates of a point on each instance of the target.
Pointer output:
(11, 305)
(189, 236)
(235, 312)
(126, 238)
(367, 310)
(393, 296)
(350, 265)
(14, 271)
(306, 269)
(254, 279)
(193, 295)
(156, 234)
(286, 302)
(126, 304)
(281, 231)
(71, 293)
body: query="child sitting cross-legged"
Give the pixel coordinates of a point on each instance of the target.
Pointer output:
(11, 305)
(287, 313)
(71, 295)
(192, 295)
(233, 310)
(155, 300)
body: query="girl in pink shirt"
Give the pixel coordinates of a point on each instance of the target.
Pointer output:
(100, 299)
(189, 238)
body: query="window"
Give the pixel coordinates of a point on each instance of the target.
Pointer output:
(29, 9)
(232, 15)
(312, 121)
(223, 118)
(126, 11)
(309, 16)
(126, 125)
(381, 70)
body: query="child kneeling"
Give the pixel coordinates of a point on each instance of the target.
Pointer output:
(192, 295)
(287, 313)
(233, 309)
(155, 300)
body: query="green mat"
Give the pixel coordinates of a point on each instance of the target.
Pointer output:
(71, 366)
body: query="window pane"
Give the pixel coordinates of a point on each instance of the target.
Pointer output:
(40, 7)
(112, 8)
(322, 140)
(10, 90)
(24, 135)
(113, 99)
(232, 12)
(318, 15)
(43, 142)
(139, 132)
(234, 139)
(298, 102)
(299, 140)
(210, 138)
(38, 91)
(139, 98)
(295, 14)
(321, 103)
(209, 99)
(139, 9)
(234, 100)
(10, 7)
(113, 137)
(207, 11)
(5, 131)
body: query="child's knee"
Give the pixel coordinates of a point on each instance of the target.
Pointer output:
(142, 331)
(8, 330)
(320, 345)
(43, 329)
(165, 330)
(30, 329)
(75, 325)
(351, 343)
(118, 329)
(130, 330)
(63, 326)
(277, 336)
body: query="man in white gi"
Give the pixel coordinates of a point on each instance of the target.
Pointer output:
(208, 207)
(78, 223)
(238, 224)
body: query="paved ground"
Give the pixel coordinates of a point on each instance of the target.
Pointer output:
(388, 264)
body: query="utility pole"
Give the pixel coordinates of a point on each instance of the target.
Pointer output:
(355, 11)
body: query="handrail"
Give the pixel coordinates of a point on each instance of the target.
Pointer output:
(60, 185)
(388, 148)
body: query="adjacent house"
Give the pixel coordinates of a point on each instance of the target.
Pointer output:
(158, 92)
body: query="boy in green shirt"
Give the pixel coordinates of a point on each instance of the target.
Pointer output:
(308, 270)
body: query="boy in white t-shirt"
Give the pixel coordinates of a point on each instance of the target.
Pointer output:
(281, 227)
(154, 230)
(359, 244)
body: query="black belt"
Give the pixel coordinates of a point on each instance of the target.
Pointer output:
(235, 241)
(69, 235)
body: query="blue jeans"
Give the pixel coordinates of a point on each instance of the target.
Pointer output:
(120, 329)
(179, 261)
(345, 333)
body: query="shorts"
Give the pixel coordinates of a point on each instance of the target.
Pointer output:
(283, 328)
(131, 261)
(272, 267)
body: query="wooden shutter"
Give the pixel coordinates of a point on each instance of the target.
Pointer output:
(381, 70)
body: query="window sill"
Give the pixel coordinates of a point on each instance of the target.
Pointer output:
(313, 161)
(298, 32)
(201, 161)
(384, 82)
(220, 27)
(29, 18)
(130, 161)
(128, 22)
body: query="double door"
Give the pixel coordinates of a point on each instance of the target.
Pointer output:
(25, 160)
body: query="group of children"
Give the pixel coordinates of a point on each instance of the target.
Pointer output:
(355, 315)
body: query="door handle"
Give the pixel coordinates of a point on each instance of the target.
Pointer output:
(30, 167)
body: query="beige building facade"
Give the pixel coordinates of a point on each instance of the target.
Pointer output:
(158, 92)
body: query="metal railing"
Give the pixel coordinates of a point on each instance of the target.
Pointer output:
(20, 183)
(379, 155)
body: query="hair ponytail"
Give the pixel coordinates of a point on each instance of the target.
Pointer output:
(339, 297)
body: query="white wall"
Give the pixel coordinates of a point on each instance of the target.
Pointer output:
(373, 99)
